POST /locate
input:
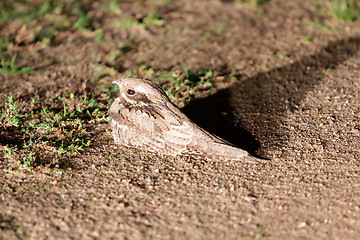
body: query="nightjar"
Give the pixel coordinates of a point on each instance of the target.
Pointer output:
(144, 117)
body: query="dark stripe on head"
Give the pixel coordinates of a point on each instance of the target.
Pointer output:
(142, 98)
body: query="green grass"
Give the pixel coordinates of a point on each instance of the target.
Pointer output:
(82, 23)
(10, 117)
(307, 37)
(144, 22)
(180, 86)
(254, 2)
(114, 7)
(260, 231)
(281, 54)
(98, 35)
(47, 131)
(9, 66)
(152, 20)
(32, 21)
(32, 16)
(347, 10)
(58, 127)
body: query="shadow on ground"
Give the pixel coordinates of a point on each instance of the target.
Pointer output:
(268, 96)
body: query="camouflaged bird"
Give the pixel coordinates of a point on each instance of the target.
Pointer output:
(144, 117)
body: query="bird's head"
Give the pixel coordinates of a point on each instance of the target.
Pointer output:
(135, 91)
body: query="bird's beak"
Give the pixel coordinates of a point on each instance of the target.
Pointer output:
(116, 82)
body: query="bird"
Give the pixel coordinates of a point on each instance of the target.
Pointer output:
(143, 117)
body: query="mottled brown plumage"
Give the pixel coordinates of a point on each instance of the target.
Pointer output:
(143, 117)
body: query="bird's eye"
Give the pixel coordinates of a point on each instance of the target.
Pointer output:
(130, 92)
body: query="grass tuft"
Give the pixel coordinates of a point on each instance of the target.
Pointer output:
(54, 128)
(9, 66)
(347, 10)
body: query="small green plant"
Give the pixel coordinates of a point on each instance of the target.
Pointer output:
(40, 20)
(28, 161)
(9, 66)
(260, 231)
(10, 116)
(57, 126)
(114, 7)
(101, 71)
(8, 151)
(255, 2)
(113, 55)
(151, 20)
(186, 29)
(19, 229)
(181, 86)
(307, 37)
(126, 23)
(220, 29)
(77, 145)
(81, 23)
(281, 54)
(348, 10)
(98, 35)
(259, 2)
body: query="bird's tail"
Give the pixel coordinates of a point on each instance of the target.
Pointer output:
(219, 151)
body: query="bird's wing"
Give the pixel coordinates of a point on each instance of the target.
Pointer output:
(168, 131)
(197, 131)
(201, 143)
(155, 129)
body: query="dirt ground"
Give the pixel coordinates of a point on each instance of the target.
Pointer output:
(293, 98)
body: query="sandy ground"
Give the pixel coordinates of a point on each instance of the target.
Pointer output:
(294, 99)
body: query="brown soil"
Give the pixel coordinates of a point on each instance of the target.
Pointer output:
(295, 101)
